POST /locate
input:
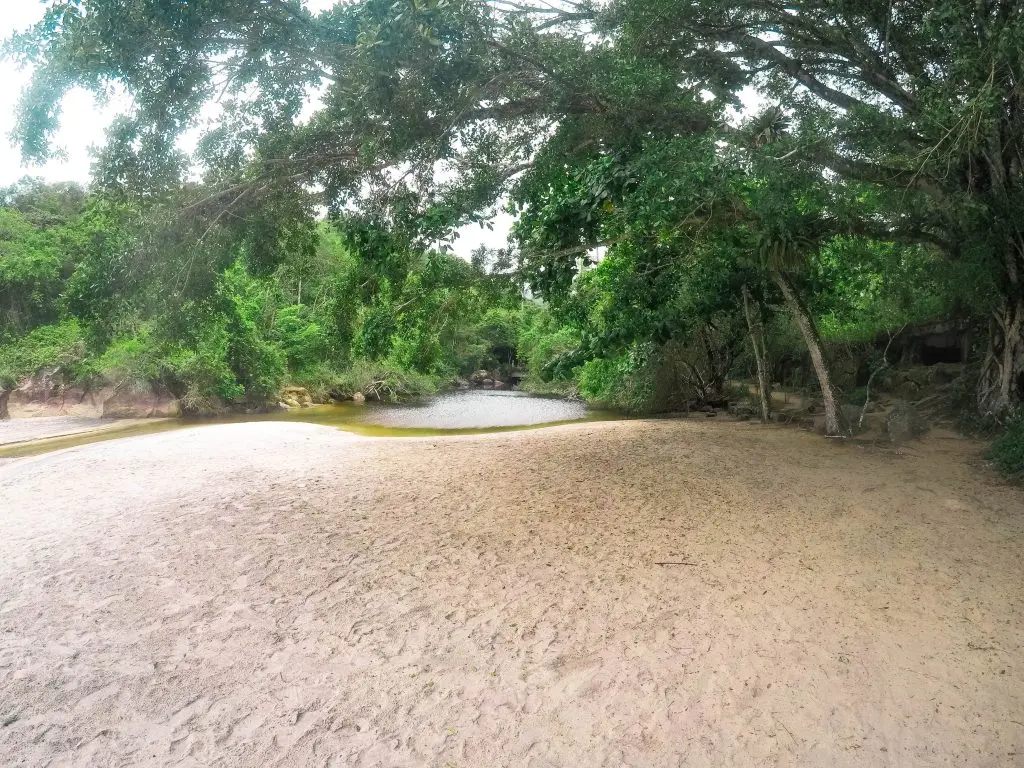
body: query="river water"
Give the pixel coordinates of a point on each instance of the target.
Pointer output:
(453, 413)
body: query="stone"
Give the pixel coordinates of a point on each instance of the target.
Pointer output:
(47, 394)
(296, 397)
(358, 397)
(908, 390)
(905, 422)
(140, 403)
(945, 373)
(850, 417)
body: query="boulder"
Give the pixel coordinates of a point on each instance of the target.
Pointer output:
(850, 417)
(358, 397)
(908, 390)
(296, 397)
(47, 394)
(904, 422)
(141, 403)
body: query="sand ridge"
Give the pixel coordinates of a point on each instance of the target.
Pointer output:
(276, 594)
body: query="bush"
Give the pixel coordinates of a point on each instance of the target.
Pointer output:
(624, 382)
(131, 360)
(301, 338)
(1007, 452)
(384, 381)
(200, 374)
(59, 345)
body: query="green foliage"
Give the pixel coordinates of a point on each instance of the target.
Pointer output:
(549, 349)
(879, 186)
(624, 382)
(384, 381)
(200, 374)
(301, 338)
(58, 345)
(392, 321)
(1007, 451)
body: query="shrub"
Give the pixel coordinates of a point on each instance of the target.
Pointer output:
(1007, 452)
(624, 382)
(49, 345)
(385, 381)
(131, 360)
(200, 374)
(302, 339)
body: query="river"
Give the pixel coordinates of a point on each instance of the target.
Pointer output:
(452, 413)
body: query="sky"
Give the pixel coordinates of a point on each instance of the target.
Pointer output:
(84, 123)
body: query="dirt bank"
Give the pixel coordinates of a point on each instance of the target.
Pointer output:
(286, 594)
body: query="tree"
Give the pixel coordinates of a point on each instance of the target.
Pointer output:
(912, 107)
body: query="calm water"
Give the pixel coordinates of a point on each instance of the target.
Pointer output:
(450, 414)
(477, 410)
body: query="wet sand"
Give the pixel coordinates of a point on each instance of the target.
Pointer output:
(646, 593)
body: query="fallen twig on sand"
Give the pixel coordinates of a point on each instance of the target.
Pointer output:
(676, 563)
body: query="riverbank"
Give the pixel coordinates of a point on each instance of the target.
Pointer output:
(686, 592)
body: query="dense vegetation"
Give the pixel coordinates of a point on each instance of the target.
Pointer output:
(703, 191)
(110, 294)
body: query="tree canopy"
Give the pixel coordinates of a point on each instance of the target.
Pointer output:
(712, 149)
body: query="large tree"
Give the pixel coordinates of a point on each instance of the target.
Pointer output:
(430, 109)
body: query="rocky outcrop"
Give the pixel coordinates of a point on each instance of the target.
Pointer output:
(294, 397)
(484, 380)
(904, 422)
(47, 394)
(141, 403)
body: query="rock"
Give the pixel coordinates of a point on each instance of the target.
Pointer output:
(358, 397)
(908, 390)
(296, 397)
(919, 375)
(140, 403)
(47, 394)
(904, 422)
(744, 410)
(282, 406)
(498, 384)
(488, 382)
(849, 415)
(5, 395)
(945, 373)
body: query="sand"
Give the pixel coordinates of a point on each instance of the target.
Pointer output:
(277, 594)
(44, 427)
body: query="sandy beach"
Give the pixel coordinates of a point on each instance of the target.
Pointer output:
(642, 593)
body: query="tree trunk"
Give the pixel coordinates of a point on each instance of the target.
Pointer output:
(1001, 386)
(760, 354)
(813, 341)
